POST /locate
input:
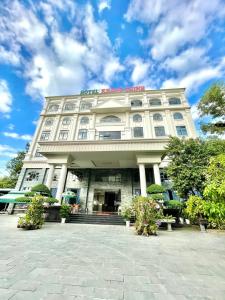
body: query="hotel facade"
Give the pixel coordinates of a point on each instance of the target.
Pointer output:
(105, 145)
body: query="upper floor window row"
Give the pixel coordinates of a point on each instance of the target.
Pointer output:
(136, 103)
(137, 118)
(155, 102)
(174, 101)
(69, 106)
(53, 107)
(110, 119)
(85, 105)
(63, 134)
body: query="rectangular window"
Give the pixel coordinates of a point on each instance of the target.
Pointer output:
(181, 130)
(85, 105)
(138, 132)
(69, 106)
(82, 135)
(63, 134)
(109, 135)
(45, 135)
(160, 131)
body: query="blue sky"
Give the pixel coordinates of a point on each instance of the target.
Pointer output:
(58, 47)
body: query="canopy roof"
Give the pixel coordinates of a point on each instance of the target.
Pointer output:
(11, 197)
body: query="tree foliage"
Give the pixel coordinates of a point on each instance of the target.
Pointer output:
(15, 164)
(7, 182)
(189, 159)
(42, 189)
(213, 104)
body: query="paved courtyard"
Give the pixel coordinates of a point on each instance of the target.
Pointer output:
(70, 261)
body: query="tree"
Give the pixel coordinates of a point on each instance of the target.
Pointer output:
(189, 159)
(7, 182)
(215, 179)
(212, 104)
(14, 166)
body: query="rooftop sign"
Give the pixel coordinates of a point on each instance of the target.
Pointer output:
(113, 90)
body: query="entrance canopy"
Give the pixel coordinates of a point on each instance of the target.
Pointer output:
(11, 197)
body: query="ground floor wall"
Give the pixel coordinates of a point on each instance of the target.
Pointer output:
(90, 184)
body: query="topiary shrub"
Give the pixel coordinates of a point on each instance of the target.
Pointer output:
(173, 204)
(147, 215)
(34, 218)
(65, 211)
(29, 194)
(155, 189)
(51, 200)
(41, 189)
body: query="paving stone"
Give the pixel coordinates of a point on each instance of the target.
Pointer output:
(6, 294)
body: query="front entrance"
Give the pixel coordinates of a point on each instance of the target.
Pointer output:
(107, 201)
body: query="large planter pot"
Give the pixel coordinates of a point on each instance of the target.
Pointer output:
(127, 223)
(202, 228)
(187, 221)
(63, 220)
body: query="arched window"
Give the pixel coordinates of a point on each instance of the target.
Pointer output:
(85, 105)
(69, 106)
(174, 101)
(110, 119)
(155, 102)
(137, 118)
(136, 103)
(157, 117)
(49, 122)
(84, 120)
(53, 107)
(178, 116)
(66, 121)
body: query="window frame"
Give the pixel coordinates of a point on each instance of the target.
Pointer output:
(44, 134)
(178, 113)
(85, 105)
(47, 120)
(157, 115)
(66, 123)
(67, 106)
(157, 133)
(82, 120)
(137, 120)
(82, 134)
(135, 101)
(135, 130)
(102, 133)
(110, 119)
(152, 102)
(61, 135)
(183, 127)
(53, 110)
(171, 99)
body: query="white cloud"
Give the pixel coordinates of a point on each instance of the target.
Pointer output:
(14, 135)
(59, 62)
(11, 126)
(140, 69)
(196, 78)
(174, 24)
(195, 112)
(188, 60)
(5, 98)
(104, 4)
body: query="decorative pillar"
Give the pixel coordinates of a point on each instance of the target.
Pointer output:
(157, 174)
(142, 180)
(61, 184)
(50, 176)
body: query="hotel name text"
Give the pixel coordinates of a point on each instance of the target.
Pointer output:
(113, 90)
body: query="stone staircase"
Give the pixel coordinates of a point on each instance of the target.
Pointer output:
(101, 219)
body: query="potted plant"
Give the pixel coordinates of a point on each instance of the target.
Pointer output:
(126, 214)
(64, 212)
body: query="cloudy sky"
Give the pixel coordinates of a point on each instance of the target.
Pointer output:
(56, 47)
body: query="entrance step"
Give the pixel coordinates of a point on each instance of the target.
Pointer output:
(96, 219)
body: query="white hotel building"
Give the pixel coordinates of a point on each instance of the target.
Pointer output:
(105, 146)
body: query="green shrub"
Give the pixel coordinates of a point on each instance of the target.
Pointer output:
(127, 213)
(195, 208)
(173, 204)
(51, 200)
(24, 199)
(65, 211)
(147, 214)
(155, 189)
(215, 213)
(41, 189)
(34, 218)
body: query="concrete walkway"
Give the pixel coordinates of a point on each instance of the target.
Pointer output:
(70, 261)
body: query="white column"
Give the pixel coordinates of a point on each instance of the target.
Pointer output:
(142, 180)
(61, 183)
(156, 174)
(50, 176)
